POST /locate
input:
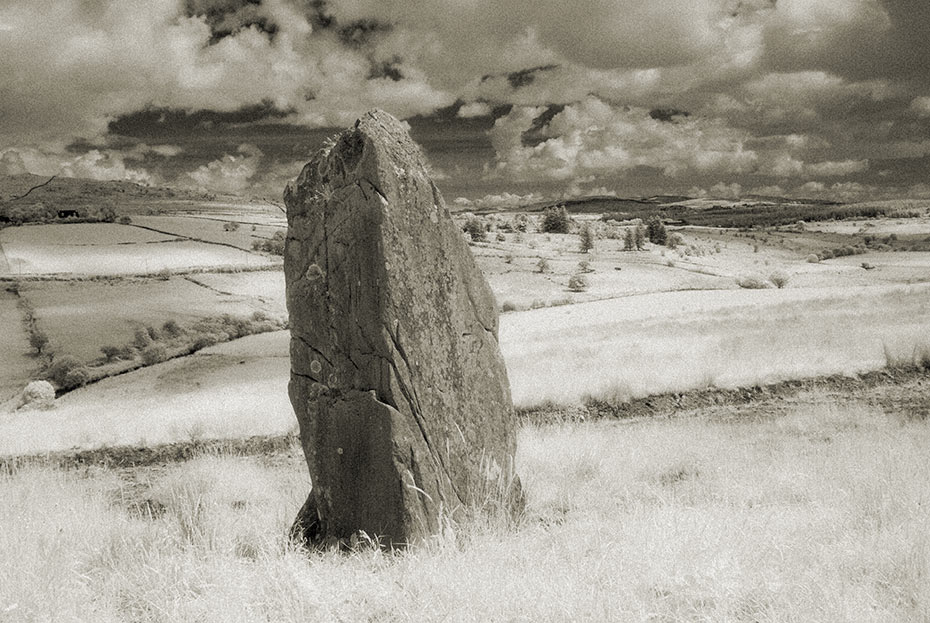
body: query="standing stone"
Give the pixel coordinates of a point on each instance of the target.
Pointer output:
(396, 376)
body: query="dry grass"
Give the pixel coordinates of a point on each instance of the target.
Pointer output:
(673, 342)
(819, 515)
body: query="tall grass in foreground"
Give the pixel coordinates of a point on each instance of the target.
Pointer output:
(820, 514)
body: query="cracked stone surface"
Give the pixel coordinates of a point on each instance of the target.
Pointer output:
(396, 376)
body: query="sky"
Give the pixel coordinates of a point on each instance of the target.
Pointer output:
(513, 101)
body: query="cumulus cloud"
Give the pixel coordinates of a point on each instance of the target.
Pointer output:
(232, 173)
(593, 137)
(921, 106)
(831, 168)
(96, 164)
(474, 109)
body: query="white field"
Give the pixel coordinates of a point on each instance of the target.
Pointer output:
(613, 350)
(265, 286)
(236, 389)
(110, 249)
(211, 228)
(677, 341)
(818, 514)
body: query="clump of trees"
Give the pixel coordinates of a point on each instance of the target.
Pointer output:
(556, 221)
(273, 245)
(655, 230)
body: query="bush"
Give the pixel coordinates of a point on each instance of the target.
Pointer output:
(38, 340)
(231, 226)
(578, 283)
(171, 329)
(142, 339)
(556, 220)
(124, 220)
(155, 353)
(751, 282)
(58, 371)
(779, 279)
(812, 258)
(509, 306)
(164, 274)
(475, 229)
(639, 237)
(76, 377)
(273, 245)
(584, 266)
(673, 240)
(655, 230)
(542, 265)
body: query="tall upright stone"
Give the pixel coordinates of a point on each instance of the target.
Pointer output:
(396, 376)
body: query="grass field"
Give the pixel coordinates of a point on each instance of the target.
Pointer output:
(110, 249)
(213, 229)
(81, 316)
(675, 341)
(816, 514)
(230, 390)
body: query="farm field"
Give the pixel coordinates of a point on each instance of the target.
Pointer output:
(672, 342)
(212, 228)
(230, 390)
(812, 508)
(109, 249)
(265, 286)
(81, 316)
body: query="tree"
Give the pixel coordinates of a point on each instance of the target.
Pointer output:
(639, 237)
(629, 244)
(586, 238)
(39, 341)
(556, 220)
(655, 229)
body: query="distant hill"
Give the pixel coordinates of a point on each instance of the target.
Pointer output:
(78, 194)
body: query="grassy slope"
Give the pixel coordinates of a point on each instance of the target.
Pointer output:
(816, 512)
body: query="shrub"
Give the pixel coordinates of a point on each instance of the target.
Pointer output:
(508, 259)
(164, 274)
(58, 371)
(673, 240)
(141, 339)
(171, 329)
(38, 340)
(542, 265)
(475, 229)
(519, 223)
(584, 266)
(154, 353)
(751, 282)
(578, 283)
(509, 306)
(501, 237)
(110, 353)
(124, 220)
(867, 266)
(812, 258)
(231, 226)
(655, 230)
(273, 245)
(76, 377)
(779, 279)
(586, 239)
(555, 220)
